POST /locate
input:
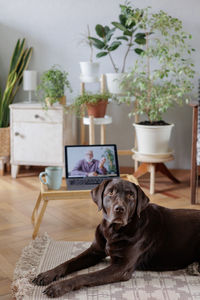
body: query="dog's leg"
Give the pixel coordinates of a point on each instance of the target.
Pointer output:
(113, 273)
(86, 259)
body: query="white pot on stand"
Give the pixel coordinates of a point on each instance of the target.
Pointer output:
(89, 71)
(153, 139)
(113, 81)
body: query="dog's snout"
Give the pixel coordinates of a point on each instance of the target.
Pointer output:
(119, 209)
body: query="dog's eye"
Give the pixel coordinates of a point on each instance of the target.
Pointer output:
(130, 195)
(110, 193)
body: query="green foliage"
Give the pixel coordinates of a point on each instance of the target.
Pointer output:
(109, 155)
(53, 83)
(86, 98)
(162, 76)
(18, 64)
(107, 41)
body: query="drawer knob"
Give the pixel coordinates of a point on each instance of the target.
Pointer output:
(37, 116)
(17, 133)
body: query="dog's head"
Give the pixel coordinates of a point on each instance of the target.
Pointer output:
(119, 200)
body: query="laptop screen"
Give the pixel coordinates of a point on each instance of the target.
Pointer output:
(92, 160)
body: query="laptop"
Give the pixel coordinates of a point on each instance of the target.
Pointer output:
(88, 165)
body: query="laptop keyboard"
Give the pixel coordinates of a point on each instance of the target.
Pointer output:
(88, 181)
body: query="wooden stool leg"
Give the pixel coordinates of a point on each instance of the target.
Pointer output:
(136, 164)
(102, 134)
(91, 131)
(152, 178)
(36, 208)
(143, 169)
(165, 171)
(39, 219)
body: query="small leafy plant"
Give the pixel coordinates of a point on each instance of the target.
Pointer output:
(53, 83)
(88, 98)
(128, 25)
(162, 76)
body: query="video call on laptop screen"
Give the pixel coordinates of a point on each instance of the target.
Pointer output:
(94, 160)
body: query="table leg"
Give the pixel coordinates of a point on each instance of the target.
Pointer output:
(39, 219)
(152, 178)
(35, 210)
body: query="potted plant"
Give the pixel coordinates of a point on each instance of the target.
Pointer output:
(108, 41)
(96, 104)
(52, 86)
(89, 69)
(160, 78)
(18, 64)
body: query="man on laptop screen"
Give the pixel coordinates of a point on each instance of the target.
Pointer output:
(87, 166)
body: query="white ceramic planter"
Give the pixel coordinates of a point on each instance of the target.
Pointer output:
(113, 81)
(153, 139)
(89, 71)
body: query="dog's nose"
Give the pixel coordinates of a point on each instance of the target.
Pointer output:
(119, 209)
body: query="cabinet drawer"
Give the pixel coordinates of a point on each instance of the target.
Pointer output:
(37, 115)
(37, 144)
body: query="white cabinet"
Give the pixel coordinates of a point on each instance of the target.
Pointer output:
(38, 136)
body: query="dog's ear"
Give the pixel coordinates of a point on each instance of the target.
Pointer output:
(97, 193)
(142, 200)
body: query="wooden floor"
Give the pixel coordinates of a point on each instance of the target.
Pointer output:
(64, 220)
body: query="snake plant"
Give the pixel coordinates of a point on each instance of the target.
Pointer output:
(18, 64)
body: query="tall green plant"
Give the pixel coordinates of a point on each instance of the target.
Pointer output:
(19, 62)
(163, 74)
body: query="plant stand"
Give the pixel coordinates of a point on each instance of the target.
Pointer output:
(91, 121)
(152, 165)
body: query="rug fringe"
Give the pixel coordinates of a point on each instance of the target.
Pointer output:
(27, 266)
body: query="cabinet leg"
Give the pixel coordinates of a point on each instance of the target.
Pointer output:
(1, 167)
(14, 171)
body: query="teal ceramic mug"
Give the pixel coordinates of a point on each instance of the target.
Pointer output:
(53, 177)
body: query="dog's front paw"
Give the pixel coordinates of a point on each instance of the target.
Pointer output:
(57, 289)
(45, 278)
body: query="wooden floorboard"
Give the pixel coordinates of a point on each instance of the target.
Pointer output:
(63, 220)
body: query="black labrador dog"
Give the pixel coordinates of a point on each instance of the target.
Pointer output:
(135, 234)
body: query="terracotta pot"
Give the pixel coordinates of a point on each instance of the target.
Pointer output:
(97, 110)
(62, 101)
(5, 141)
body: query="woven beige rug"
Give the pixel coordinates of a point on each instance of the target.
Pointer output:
(44, 253)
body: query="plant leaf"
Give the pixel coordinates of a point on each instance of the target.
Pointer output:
(138, 50)
(119, 26)
(140, 41)
(100, 54)
(97, 43)
(100, 30)
(122, 38)
(114, 46)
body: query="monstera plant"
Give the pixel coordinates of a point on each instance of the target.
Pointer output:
(124, 31)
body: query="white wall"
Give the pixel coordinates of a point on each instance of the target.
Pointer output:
(54, 27)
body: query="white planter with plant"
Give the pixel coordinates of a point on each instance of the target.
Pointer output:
(153, 139)
(89, 69)
(162, 76)
(107, 42)
(52, 87)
